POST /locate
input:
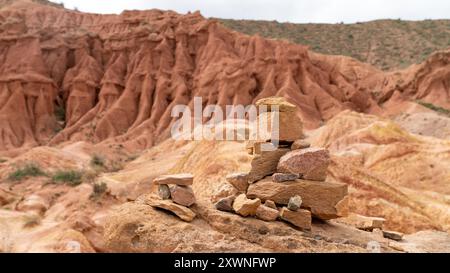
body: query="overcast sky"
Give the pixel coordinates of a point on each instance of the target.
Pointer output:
(296, 11)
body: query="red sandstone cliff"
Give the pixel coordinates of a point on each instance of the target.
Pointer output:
(118, 76)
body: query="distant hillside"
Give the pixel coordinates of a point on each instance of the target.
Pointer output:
(42, 2)
(387, 44)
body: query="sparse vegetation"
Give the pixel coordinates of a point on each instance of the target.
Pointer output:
(60, 113)
(28, 170)
(2, 160)
(97, 161)
(31, 220)
(435, 108)
(98, 189)
(387, 44)
(71, 177)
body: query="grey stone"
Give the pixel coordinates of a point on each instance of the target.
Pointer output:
(295, 203)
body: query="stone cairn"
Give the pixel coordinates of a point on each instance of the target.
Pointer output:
(287, 182)
(175, 195)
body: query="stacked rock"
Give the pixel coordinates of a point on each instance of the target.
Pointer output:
(175, 195)
(289, 181)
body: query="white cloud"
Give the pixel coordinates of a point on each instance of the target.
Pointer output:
(298, 11)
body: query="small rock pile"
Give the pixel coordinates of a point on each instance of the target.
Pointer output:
(287, 182)
(175, 195)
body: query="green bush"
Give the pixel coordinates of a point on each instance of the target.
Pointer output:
(99, 189)
(71, 177)
(434, 107)
(29, 170)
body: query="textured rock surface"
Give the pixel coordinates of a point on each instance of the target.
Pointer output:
(182, 195)
(270, 204)
(282, 126)
(300, 144)
(267, 214)
(239, 181)
(265, 164)
(246, 207)
(300, 218)
(184, 213)
(326, 200)
(175, 179)
(284, 177)
(311, 163)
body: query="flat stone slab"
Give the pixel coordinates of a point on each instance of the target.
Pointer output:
(284, 177)
(281, 102)
(393, 235)
(363, 222)
(182, 212)
(300, 218)
(325, 200)
(183, 179)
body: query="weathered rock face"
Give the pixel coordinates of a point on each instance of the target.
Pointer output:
(246, 207)
(300, 218)
(326, 200)
(265, 164)
(311, 163)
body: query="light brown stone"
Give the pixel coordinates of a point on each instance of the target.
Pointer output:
(239, 181)
(281, 102)
(265, 164)
(246, 207)
(182, 212)
(311, 163)
(326, 200)
(270, 204)
(396, 236)
(182, 195)
(300, 144)
(363, 222)
(300, 218)
(290, 127)
(184, 179)
(267, 214)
